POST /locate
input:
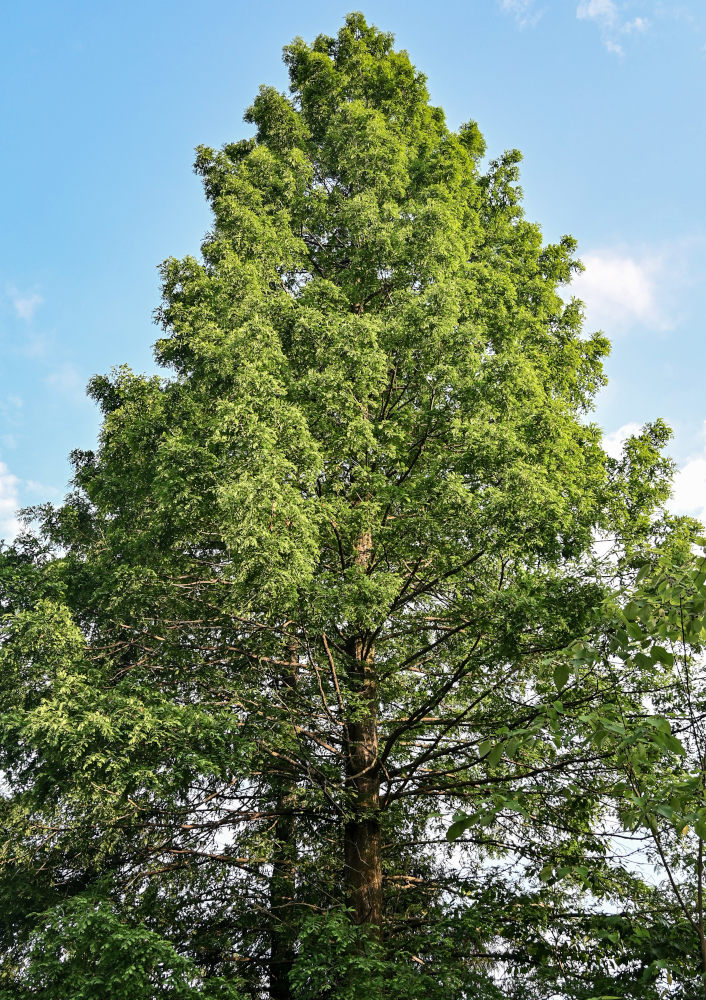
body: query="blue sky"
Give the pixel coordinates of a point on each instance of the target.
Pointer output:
(102, 104)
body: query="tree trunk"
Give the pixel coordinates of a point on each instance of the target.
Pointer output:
(362, 840)
(282, 889)
(700, 909)
(284, 857)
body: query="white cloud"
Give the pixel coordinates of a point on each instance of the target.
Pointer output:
(10, 406)
(10, 485)
(10, 417)
(689, 492)
(524, 11)
(689, 487)
(621, 289)
(33, 486)
(67, 381)
(639, 24)
(603, 11)
(25, 304)
(606, 14)
(36, 345)
(9, 502)
(631, 287)
(613, 442)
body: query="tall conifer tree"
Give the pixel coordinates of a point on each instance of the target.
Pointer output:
(307, 599)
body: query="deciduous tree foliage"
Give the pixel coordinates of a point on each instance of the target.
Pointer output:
(654, 652)
(312, 595)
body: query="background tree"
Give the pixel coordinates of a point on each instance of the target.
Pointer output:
(657, 652)
(310, 594)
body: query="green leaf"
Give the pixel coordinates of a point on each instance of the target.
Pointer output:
(631, 611)
(459, 827)
(635, 631)
(699, 824)
(495, 754)
(661, 655)
(561, 675)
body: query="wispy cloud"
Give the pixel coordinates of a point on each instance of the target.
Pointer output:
(42, 489)
(67, 381)
(11, 486)
(615, 47)
(613, 24)
(620, 290)
(689, 489)
(689, 493)
(625, 287)
(525, 12)
(36, 345)
(597, 10)
(10, 418)
(11, 405)
(25, 304)
(613, 442)
(636, 26)
(9, 502)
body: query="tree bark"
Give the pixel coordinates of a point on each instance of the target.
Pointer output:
(362, 838)
(282, 889)
(700, 914)
(283, 878)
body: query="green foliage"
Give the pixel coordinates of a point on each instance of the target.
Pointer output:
(330, 587)
(82, 950)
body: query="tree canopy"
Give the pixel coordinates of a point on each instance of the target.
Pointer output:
(329, 590)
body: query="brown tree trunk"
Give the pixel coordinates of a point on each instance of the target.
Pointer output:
(283, 878)
(362, 839)
(700, 914)
(282, 889)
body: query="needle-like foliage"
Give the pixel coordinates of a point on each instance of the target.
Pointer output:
(310, 597)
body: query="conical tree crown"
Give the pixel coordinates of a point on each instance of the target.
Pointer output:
(373, 339)
(314, 590)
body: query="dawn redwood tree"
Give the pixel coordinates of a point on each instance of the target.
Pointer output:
(309, 596)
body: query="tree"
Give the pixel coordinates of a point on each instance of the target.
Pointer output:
(657, 645)
(310, 595)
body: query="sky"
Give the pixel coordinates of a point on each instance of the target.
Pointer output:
(103, 103)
